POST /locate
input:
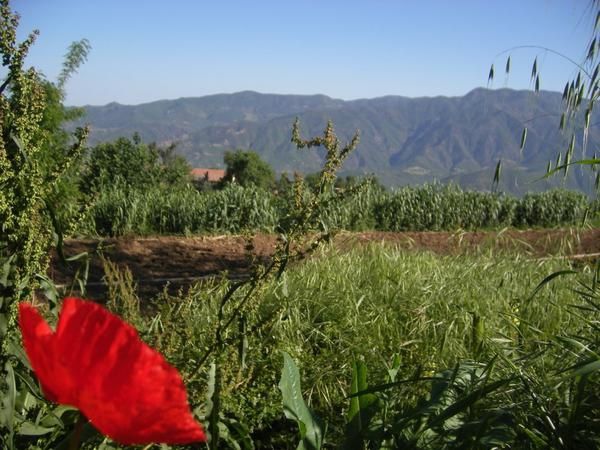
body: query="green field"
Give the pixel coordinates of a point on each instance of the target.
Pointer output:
(507, 351)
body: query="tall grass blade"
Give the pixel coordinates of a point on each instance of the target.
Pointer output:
(362, 408)
(213, 405)
(295, 408)
(548, 279)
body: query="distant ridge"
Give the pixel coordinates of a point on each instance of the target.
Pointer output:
(403, 140)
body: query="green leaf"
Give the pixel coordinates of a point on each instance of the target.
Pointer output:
(87, 433)
(593, 80)
(580, 94)
(563, 121)
(31, 429)
(243, 341)
(54, 417)
(534, 437)
(6, 270)
(239, 435)
(592, 50)
(465, 401)
(7, 407)
(497, 174)
(362, 408)
(395, 368)
(588, 368)
(548, 279)
(575, 345)
(572, 144)
(294, 407)
(565, 94)
(588, 115)
(588, 162)
(213, 404)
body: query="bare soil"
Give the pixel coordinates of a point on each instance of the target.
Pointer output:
(154, 261)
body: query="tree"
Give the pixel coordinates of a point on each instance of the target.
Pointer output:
(131, 164)
(175, 168)
(247, 168)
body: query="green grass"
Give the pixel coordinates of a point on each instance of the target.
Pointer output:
(376, 304)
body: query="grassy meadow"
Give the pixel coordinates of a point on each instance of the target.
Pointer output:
(471, 353)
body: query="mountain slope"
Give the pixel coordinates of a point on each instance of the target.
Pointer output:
(403, 140)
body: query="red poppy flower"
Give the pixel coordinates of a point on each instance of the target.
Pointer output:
(97, 363)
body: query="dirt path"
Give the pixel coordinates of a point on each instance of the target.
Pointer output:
(154, 260)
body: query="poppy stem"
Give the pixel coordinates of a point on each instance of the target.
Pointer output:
(74, 442)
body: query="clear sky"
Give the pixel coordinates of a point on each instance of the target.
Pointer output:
(145, 50)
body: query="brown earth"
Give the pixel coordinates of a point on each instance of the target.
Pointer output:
(153, 261)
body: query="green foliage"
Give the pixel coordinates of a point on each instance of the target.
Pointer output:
(437, 207)
(440, 207)
(363, 407)
(174, 169)
(376, 305)
(159, 209)
(35, 154)
(246, 168)
(25, 230)
(30, 167)
(550, 208)
(76, 56)
(58, 156)
(162, 210)
(238, 310)
(132, 165)
(295, 408)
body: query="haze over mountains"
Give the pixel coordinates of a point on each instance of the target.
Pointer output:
(403, 140)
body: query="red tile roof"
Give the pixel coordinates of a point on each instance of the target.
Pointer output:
(213, 175)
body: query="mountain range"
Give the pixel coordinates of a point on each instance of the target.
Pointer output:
(402, 140)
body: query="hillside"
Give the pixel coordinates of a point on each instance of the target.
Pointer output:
(403, 140)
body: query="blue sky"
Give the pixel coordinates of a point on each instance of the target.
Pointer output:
(149, 50)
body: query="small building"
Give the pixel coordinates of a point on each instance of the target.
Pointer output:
(207, 175)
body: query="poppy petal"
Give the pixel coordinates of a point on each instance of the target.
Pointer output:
(124, 387)
(38, 340)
